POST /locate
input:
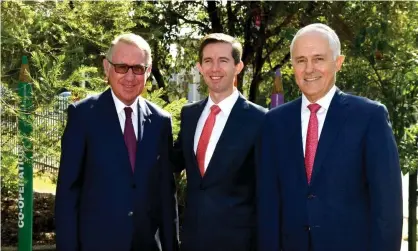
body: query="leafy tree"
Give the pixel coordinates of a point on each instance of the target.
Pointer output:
(381, 47)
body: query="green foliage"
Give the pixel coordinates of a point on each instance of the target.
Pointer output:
(408, 148)
(174, 107)
(9, 178)
(381, 49)
(48, 80)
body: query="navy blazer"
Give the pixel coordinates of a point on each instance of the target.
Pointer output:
(100, 203)
(354, 200)
(220, 207)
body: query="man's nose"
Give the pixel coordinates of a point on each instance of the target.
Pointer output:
(215, 66)
(129, 75)
(309, 66)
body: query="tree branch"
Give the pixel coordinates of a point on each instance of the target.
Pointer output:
(284, 60)
(279, 28)
(177, 15)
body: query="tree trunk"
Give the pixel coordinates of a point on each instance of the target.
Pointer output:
(156, 73)
(259, 41)
(247, 51)
(231, 19)
(214, 18)
(257, 75)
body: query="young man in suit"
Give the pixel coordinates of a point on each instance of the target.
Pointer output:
(329, 176)
(216, 148)
(115, 186)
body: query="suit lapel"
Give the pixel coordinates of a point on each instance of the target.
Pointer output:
(191, 127)
(146, 141)
(294, 125)
(229, 139)
(334, 121)
(113, 130)
(144, 117)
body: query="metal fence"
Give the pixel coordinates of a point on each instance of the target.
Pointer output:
(48, 126)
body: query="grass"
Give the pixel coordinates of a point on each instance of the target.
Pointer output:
(44, 182)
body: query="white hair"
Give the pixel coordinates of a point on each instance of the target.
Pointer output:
(333, 40)
(133, 39)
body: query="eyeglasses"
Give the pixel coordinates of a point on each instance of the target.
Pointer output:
(137, 69)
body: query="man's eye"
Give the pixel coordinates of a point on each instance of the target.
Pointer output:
(138, 67)
(122, 67)
(300, 61)
(319, 59)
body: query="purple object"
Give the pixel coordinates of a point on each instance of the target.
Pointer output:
(129, 136)
(276, 100)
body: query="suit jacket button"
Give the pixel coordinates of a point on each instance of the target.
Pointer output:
(307, 228)
(130, 213)
(133, 186)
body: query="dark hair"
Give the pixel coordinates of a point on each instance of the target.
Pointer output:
(222, 38)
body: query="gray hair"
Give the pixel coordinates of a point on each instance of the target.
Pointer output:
(333, 40)
(133, 39)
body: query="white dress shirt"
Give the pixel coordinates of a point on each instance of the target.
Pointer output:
(121, 112)
(226, 107)
(324, 102)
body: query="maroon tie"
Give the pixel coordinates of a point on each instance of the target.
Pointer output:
(129, 136)
(205, 136)
(311, 140)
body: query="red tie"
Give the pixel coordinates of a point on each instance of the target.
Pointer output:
(311, 140)
(205, 136)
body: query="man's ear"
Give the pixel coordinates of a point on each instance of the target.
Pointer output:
(339, 62)
(106, 67)
(199, 67)
(149, 70)
(239, 67)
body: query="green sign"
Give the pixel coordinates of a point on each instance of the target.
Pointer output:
(25, 171)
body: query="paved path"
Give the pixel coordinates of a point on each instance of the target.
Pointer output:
(405, 188)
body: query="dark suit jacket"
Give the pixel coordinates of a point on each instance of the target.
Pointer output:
(220, 207)
(100, 203)
(354, 200)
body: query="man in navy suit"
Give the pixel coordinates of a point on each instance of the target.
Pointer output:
(115, 187)
(329, 176)
(216, 147)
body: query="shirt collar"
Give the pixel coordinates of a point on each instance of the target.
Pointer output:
(324, 102)
(226, 104)
(120, 105)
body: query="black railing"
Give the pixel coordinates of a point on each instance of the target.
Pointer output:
(48, 126)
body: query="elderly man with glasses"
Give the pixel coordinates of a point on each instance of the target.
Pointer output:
(115, 186)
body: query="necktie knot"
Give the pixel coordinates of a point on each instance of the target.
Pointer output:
(314, 108)
(128, 112)
(214, 109)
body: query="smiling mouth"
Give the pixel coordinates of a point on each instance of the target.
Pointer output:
(215, 78)
(311, 79)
